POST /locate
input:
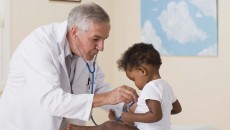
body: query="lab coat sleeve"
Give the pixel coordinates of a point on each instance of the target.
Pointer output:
(44, 79)
(102, 86)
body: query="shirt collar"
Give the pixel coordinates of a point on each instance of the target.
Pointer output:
(67, 49)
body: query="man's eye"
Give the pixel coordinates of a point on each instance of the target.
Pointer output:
(95, 39)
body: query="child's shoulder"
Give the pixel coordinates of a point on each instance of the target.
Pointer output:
(158, 84)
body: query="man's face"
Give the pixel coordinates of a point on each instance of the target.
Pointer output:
(91, 41)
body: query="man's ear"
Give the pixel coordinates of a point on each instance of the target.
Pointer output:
(142, 70)
(74, 31)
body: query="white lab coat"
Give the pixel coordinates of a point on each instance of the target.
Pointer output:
(37, 93)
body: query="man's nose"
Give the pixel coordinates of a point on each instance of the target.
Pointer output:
(100, 45)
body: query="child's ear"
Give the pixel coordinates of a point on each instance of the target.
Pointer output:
(142, 71)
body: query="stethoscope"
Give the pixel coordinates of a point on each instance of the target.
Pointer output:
(89, 82)
(92, 72)
(92, 82)
(92, 87)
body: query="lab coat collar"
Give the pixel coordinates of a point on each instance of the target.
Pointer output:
(61, 32)
(67, 50)
(64, 46)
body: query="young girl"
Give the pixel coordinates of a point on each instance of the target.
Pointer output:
(156, 102)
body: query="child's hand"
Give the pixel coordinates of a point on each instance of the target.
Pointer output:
(112, 115)
(127, 117)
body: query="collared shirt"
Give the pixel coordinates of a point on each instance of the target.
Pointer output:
(69, 57)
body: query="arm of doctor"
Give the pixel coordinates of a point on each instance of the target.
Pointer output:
(121, 94)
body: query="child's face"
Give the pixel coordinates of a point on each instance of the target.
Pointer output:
(138, 76)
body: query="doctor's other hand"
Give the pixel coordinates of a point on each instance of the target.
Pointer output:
(123, 93)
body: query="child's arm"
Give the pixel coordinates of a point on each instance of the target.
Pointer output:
(176, 107)
(153, 115)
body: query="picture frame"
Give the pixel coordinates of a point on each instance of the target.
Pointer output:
(67, 0)
(180, 27)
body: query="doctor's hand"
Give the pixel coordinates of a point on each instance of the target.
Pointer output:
(123, 93)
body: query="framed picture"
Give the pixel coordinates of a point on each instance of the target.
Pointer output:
(180, 27)
(67, 0)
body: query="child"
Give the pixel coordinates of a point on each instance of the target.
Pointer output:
(156, 103)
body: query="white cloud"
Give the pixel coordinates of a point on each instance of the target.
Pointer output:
(155, 9)
(207, 7)
(199, 15)
(178, 24)
(210, 51)
(149, 36)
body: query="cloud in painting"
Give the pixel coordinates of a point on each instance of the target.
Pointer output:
(210, 51)
(155, 9)
(207, 7)
(148, 35)
(178, 24)
(199, 15)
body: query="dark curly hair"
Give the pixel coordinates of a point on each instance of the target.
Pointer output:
(138, 54)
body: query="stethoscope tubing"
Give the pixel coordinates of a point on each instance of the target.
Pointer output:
(92, 72)
(126, 110)
(92, 82)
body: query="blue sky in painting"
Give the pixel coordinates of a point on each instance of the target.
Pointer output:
(180, 27)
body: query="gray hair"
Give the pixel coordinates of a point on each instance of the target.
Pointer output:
(82, 15)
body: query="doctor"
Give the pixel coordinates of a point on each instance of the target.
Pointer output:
(49, 82)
